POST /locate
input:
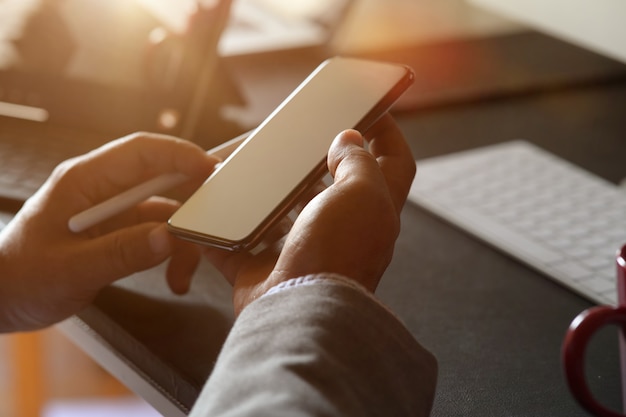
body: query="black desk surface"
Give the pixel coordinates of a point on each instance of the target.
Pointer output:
(495, 325)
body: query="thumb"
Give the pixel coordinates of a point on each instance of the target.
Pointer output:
(127, 251)
(347, 157)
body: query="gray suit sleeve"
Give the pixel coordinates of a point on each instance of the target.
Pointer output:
(319, 350)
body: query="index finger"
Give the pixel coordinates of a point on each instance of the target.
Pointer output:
(125, 162)
(394, 156)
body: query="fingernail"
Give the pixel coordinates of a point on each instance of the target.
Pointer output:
(351, 136)
(159, 240)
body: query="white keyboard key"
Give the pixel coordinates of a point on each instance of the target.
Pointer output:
(597, 263)
(570, 269)
(598, 284)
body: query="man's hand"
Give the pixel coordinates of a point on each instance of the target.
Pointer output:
(48, 273)
(350, 228)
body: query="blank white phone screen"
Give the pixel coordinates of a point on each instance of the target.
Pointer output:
(285, 148)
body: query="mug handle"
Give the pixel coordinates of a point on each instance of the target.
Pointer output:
(575, 343)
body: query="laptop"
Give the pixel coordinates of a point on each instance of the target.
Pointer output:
(597, 25)
(75, 74)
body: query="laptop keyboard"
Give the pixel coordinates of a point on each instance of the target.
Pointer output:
(554, 216)
(29, 153)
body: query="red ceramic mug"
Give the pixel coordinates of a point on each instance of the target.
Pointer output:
(580, 333)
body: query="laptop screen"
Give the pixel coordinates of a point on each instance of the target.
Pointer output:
(598, 25)
(111, 66)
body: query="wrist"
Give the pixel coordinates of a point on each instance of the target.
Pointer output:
(245, 293)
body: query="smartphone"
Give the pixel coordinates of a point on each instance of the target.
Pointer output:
(262, 180)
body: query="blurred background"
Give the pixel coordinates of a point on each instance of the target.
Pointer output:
(42, 373)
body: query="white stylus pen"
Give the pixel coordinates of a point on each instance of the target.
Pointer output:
(117, 204)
